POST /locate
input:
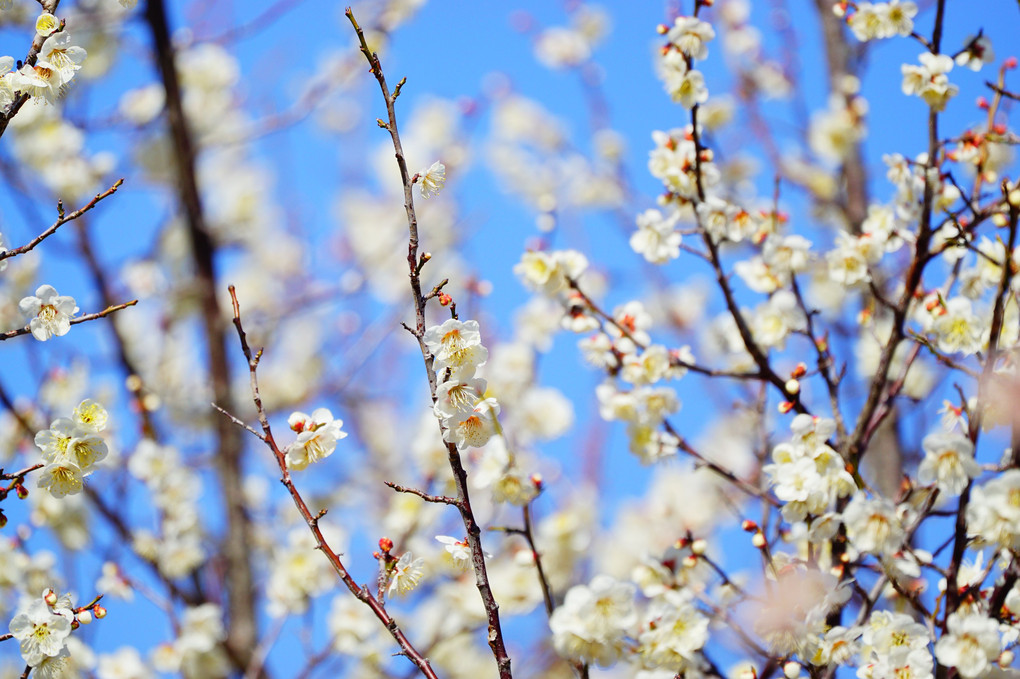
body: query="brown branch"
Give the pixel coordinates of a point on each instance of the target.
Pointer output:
(362, 593)
(495, 633)
(242, 637)
(64, 219)
(74, 321)
(437, 499)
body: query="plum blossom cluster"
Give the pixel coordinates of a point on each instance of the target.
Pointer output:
(57, 63)
(601, 623)
(317, 436)
(881, 19)
(177, 546)
(688, 40)
(469, 419)
(71, 447)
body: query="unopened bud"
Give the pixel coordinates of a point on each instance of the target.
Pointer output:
(50, 597)
(799, 371)
(785, 407)
(758, 539)
(690, 561)
(99, 612)
(537, 481)
(792, 387)
(1006, 658)
(791, 670)
(445, 299)
(1009, 63)
(748, 526)
(85, 617)
(20, 489)
(662, 29)
(699, 546)
(386, 545)
(982, 103)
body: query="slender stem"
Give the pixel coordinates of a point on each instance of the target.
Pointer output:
(495, 632)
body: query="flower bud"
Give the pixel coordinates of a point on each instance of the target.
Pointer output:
(792, 387)
(785, 407)
(99, 611)
(699, 546)
(758, 539)
(49, 596)
(386, 545)
(85, 617)
(791, 670)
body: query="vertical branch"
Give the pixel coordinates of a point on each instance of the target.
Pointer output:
(495, 632)
(242, 635)
(839, 59)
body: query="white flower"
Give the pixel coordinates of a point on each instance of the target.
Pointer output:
(475, 427)
(929, 81)
(972, 643)
(62, 55)
(949, 462)
(406, 575)
(458, 550)
(49, 312)
(872, 525)
(673, 632)
(432, 180)
(46, 24)
(61, 478)
(591, 623)
(690, 35)
(959, 329)
(656, 239)
(318, 434)
(993, 514)
(91, 416)
(687, 89)
(548, 272)
(41, 631)
(456, 345)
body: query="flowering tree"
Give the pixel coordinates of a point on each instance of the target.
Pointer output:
(840, 493)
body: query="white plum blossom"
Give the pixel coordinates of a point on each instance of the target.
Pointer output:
(458, 550)
(318, 434)
(872, 525)
(691, 35)
(41, 631)
(971, 644)
(406, 574)
(50, 313)
(673, 632)
(958, 328)
(993, 514)
(656, 238)
(549, 272)
(929, 80)
(948, 462)
(432, 180)
(593, 620)
(457, 346)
